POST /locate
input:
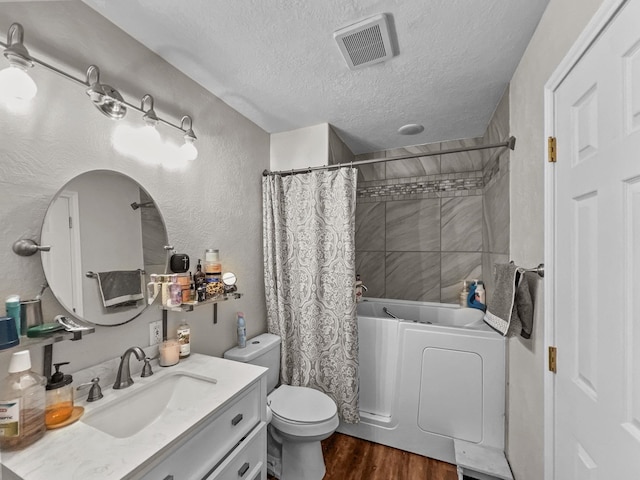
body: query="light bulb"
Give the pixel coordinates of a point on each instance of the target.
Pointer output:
(188, 151)
(148, 136)
(15, 83)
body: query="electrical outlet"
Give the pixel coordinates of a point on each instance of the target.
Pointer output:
(155, 332)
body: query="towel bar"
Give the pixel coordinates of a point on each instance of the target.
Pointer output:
(539, 270)
(91, 274)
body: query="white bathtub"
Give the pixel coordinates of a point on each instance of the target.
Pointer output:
(435, 374)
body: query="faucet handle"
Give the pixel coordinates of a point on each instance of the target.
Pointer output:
(95, 392)
(146, 370)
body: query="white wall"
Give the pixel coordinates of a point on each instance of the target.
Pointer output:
(214, 203)
(301, 148)
(558, 29)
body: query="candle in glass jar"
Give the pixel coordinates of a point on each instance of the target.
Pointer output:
(169, 353)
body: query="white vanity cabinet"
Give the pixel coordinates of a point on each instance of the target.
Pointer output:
(230, 445)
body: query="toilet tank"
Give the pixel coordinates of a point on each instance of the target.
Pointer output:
(263, 350)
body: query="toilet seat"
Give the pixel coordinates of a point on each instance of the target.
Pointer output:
(301, 404)
(302, 411)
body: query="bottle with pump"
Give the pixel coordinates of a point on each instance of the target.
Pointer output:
(59, 397)
(22, 400)
(242, 331)
(184, 339)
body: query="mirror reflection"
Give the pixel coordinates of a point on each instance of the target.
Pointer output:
(107, 236)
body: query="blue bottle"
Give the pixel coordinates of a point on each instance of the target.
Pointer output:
(242, 331)
(12, 305)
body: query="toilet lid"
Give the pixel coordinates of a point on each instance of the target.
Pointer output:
(301, 404)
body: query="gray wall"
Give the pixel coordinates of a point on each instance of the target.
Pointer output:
(424, 225)
(215, 202)
(558, 29)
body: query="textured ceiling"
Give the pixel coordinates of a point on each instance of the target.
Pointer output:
(276, 61)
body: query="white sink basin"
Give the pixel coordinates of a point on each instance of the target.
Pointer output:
(131, 413)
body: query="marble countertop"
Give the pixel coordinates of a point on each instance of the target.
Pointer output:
(82, 452)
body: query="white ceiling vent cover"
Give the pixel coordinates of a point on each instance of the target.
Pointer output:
(366, 42)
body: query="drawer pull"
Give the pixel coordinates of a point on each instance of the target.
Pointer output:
(243, 469)
(168, 477)
(237, 419)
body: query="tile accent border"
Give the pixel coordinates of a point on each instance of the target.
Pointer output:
(429, 186)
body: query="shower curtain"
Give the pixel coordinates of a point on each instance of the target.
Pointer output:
(309, 275)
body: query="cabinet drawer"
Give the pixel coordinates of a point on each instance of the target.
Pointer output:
(199, 453)
(248, 461)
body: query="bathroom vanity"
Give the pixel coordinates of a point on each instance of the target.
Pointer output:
(203, 418)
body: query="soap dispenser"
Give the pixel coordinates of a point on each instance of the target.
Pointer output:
(59, 397)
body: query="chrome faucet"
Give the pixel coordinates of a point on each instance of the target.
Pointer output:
(123, 379)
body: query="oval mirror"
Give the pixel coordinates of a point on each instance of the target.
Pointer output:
(106, 236)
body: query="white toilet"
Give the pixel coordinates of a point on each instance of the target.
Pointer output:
(301, 417)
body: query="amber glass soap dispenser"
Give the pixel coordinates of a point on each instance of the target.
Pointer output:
(59, 397)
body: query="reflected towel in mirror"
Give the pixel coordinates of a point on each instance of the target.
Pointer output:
(120, 287)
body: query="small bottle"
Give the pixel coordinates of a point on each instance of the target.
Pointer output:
(464, 294)
(242, 331)
(184, 339)
(480, 293)
(199, 280)
(22, 401)
(175, 294)
(12, 306)
(192, 289)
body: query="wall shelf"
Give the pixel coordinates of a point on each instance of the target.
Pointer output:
(55, 337)
(188, 307)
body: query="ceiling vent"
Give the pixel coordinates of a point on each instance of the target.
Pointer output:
(366, 42)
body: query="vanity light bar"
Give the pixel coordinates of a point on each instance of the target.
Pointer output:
(19, 57)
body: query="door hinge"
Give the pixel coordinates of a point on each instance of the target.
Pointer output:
(70, 222)
(553, 355)
(551, 145)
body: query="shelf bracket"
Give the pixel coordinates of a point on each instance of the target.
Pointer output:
(164, 324)
(48, 358)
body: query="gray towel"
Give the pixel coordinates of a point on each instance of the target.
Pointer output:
(120, 288)
(523, 308)
(500, 311)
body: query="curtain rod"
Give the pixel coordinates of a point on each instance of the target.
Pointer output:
(510, 143)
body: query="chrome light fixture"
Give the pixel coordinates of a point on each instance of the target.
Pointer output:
(149, 132)
(188, 151)
(106, 98)
(15, 82)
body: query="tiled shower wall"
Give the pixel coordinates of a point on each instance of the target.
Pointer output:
(425, 224)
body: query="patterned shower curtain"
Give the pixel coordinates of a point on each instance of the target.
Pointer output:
(309, 274)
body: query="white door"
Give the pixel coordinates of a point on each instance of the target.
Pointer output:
(597, 258)
(60, 230)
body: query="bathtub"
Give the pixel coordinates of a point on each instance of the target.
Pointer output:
(434, 374)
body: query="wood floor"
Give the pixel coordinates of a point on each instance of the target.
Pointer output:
(349, 458)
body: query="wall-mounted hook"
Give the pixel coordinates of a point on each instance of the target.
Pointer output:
(26, 247)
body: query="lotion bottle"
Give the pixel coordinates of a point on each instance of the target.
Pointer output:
(242, 331)
(184, 339)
